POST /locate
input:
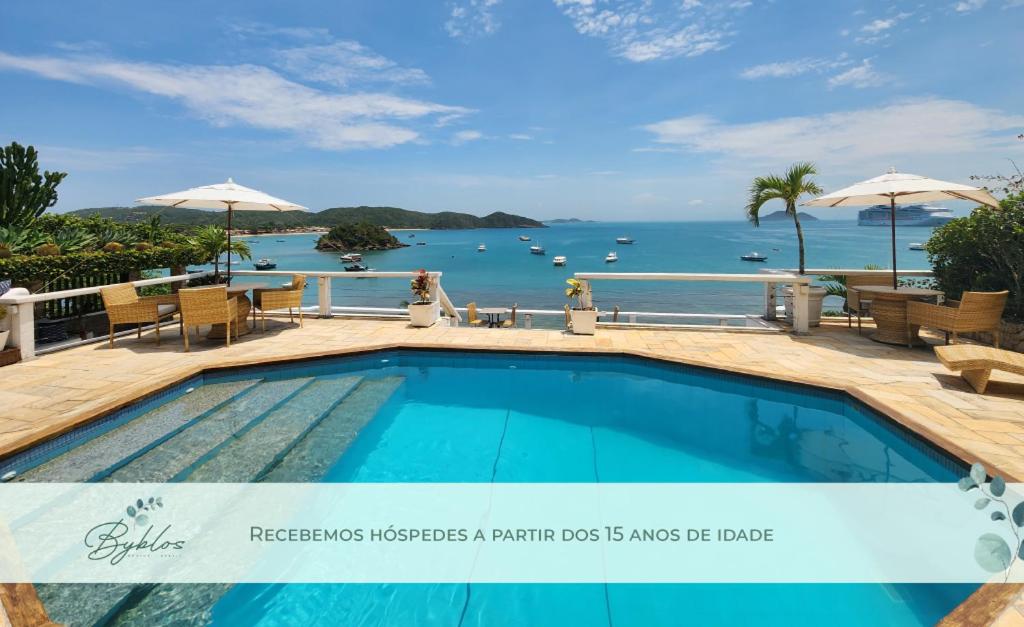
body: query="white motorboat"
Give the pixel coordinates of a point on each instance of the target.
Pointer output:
(916, 246)
(481, 248)
(351, 258)
(524, 238)
(560, 260)
(754, 256)
(624, 240)
(537, 249)
(611, 257)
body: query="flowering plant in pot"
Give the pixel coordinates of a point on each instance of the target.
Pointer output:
(423, 312)
(584, 318)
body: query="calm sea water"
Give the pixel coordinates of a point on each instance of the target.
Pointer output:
(507, 273)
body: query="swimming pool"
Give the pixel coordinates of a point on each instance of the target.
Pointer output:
(439, 416)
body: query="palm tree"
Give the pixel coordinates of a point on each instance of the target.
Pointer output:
(789, 189)
(212, 241)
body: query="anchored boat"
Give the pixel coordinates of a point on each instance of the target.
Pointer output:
(611, 257)
(264, 264)
(524, 238)
(350, 257)
(624, 240)
(560, 260)
(754, 256)
(537, 249)
(481, 248)
(916, 246)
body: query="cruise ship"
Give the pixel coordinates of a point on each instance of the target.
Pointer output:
(908, 215)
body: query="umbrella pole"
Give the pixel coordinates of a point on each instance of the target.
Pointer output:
(229, 245)
(892, 221)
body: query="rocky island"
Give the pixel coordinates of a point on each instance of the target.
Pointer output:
(358, 237)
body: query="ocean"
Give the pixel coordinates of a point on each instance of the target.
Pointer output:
(507, 273)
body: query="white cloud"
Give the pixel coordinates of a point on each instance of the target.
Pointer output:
(343, 63)
(648, 30)
(472, 18)
(878, 30)
(463, 137)
(70, 158)
(866, 137)
(251, 95)
(695, 202)
(520, 136)
(794, 67)
(968, 6)
(861, 76)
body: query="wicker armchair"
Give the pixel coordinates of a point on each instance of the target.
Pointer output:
(125, 306)
(208, 305)
(855, 305)
(473, 319)
(976, 311)
(288, 297)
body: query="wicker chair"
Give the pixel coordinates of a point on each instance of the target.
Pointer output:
(472, 319)
(511, 322)
(855, 305)
(975, 311)
(208, 305)
(288, 297)
(125, 306)
(568, 319)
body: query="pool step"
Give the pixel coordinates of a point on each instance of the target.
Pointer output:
(312, 457)
(174, 455)
(98, 455)
(249, 454)
(309, 433)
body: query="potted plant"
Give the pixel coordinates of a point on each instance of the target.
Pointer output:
(5, 286)
(584, 319)
(424, 312)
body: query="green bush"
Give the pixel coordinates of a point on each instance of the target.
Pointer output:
(983, 252)
(26, 269)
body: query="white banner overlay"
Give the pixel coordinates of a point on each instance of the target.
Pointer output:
(505, 533)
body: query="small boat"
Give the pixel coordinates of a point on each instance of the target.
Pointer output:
(754, 256)
(536, 249)
(421, 243)
(560, 260)
(412, 235)
(916, 246)
(264, 264)
(281, 240)
(624, 240)
(524, 238)
(356, 267)
(350, 257)
(481, 248)
(611, 257)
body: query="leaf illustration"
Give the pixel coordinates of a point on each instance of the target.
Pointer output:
(978, 473)
(982, 503)
(150, 500)
(998, 516)
(992, 553)
(131, 511)
(139, 503)
(141, 519)
(1020, 551)
(1018, 514)
(966, 484)
(998, 486)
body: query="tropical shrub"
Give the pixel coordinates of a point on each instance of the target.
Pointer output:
(211, 242)
(983, 252)
(24, 193)
(47, 250)
(113, 247)
(27, 269)
(420, 287)
(788, 188)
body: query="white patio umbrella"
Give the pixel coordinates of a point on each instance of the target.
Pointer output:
(230, 195)
(900, 187)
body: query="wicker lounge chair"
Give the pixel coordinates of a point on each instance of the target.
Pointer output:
(511, 322)
(976, 363)
(976, 311)
(208, 305)
(288, 297)
(125, 306)
(855, 305)
(472, 319)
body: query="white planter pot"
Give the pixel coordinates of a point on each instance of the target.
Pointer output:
(814, 301)
(424, 315)
(583, 321)
(3, 339)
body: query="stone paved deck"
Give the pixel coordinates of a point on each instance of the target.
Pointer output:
(54, 393)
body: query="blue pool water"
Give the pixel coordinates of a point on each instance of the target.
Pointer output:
(408, 416)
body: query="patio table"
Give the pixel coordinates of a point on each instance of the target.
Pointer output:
(493, 315)
(238, 291)
(889, 311)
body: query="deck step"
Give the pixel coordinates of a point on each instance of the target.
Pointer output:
(166, 461)
(311, 458)
(251, 453)
(89, 459)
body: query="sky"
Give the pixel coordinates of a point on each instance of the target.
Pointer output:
(597, 109)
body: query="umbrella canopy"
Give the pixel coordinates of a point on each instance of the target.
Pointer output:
(230, 196)
(903, 188)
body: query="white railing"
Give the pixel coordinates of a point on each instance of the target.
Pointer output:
(771, 287)
(21, 308)
(801, 288)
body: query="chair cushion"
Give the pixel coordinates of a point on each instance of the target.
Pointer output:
(166, 310)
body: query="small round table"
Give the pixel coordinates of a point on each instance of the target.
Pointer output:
(493, 315)
(218, 331)
(889, 311)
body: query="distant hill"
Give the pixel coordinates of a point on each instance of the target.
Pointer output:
(391, 217)
(781, 214)
(567, 221)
